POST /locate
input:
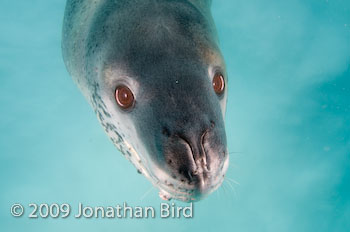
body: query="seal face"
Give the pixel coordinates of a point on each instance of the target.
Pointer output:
(155, 77)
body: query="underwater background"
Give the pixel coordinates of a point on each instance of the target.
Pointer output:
(288, 124)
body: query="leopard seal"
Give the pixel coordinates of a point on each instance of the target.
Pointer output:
(153, 73)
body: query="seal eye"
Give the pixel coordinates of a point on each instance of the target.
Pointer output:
(124, 96)
(218, 83)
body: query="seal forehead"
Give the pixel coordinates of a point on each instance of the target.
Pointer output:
(166, 26)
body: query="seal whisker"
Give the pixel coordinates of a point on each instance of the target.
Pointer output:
(224, 189)
(232, 180)
(232, 166)
(237, 152)
(218, 193)
(232, 188)
(146, 193)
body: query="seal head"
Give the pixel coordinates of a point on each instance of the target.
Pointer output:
(156, 79)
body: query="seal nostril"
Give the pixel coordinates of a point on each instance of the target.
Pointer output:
(186, 173)
(212, 124)
(190, 175)
(165, 131)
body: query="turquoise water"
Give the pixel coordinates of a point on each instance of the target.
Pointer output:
(288, 124)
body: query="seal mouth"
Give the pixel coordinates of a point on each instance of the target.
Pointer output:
(188, 195)
(203, 183)
(174, 189)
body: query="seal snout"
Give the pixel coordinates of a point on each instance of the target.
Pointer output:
(194, 159)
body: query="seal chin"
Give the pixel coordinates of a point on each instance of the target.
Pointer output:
(187, 195)
(171, 188)
(194, 195)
